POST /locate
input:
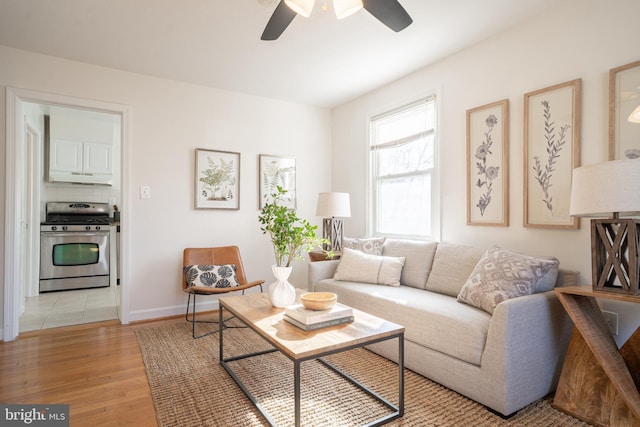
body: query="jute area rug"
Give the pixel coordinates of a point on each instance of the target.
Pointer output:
(190, 388)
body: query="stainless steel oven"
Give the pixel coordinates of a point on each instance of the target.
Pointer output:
(74, 246)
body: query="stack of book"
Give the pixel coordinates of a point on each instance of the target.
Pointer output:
(310, 320)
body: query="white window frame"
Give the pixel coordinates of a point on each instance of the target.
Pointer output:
(434, 172)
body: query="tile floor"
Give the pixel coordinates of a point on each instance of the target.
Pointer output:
(54, 309)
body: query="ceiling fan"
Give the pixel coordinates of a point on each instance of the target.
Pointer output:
(389, 12)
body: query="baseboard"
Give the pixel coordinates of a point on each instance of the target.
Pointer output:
(162, 312)
(205, 303)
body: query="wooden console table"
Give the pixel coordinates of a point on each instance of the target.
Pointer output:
(599, 383)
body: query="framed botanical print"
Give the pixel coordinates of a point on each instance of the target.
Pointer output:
(551, 152)
(277, 171)
(488, 164)
(624, 112)
(217, 180)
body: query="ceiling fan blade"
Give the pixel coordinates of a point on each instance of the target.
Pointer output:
(278, 22)
(389, 12)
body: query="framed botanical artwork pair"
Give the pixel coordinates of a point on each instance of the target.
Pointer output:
(217, 180)
(551, 152)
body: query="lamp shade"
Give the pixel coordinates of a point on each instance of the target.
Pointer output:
(604, 188)
(301, 7)
(333, 205)
(344, 8)
(634, 117)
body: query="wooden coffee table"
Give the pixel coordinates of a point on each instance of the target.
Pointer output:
(256, 312)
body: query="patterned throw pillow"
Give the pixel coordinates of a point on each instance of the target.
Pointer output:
(211, 276)
(371, 246)
(501, 274)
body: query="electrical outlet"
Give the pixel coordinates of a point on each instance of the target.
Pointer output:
(611, 318)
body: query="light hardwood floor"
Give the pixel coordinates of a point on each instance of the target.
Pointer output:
(95, 368)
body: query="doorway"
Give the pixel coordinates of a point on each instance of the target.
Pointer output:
(24, 206)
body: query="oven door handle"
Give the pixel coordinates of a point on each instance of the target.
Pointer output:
(72, 233)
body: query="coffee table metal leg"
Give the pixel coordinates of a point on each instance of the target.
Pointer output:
(398, 410)
(220, 317)
(401, 375)
(296, 391)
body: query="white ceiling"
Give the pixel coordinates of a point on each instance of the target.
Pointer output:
(317, 61)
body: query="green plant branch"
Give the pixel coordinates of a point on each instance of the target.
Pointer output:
(290, 235)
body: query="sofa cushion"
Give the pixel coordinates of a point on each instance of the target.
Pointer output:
(432, 320)
(452, 265)
(371, 246)
(360, 267)
(502, 274)
(418, 259)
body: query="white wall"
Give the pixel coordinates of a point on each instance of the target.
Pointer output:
(577, 39)
(169, 120)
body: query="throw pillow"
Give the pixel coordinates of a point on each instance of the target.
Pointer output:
(371, 246)
(356, 266)
(211, 276)
(502, 274)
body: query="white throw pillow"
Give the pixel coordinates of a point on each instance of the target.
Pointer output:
(356, 266)
(502, 274)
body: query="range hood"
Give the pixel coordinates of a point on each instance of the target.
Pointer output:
(77, 161)
(80, 178)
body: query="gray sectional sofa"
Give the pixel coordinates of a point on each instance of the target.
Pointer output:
(504, 357)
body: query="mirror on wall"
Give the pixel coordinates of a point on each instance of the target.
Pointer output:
(624, 112)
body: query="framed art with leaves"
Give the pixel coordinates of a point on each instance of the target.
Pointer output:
(551, 152)
(488, 164)
(277, 171)
(217, 179)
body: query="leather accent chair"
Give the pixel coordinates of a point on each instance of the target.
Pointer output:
(213, 256)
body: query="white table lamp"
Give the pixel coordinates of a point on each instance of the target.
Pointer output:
(333, 206)
(634, 117)
(608, 190)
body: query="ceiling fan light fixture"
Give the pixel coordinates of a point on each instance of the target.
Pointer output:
(301, 7)
(344, 8)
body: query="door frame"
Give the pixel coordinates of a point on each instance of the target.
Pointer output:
(15, 152)
(32, 158)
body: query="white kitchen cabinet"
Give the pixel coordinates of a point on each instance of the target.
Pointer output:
(65, 155)
(80, 162)
(97, 158)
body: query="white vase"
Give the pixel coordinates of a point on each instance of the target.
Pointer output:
(281, 292)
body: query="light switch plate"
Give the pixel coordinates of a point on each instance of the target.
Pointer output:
(145, 192)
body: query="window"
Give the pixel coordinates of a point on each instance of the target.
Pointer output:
(402, 166)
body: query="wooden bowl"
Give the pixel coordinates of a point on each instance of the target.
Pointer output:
(318, 300)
